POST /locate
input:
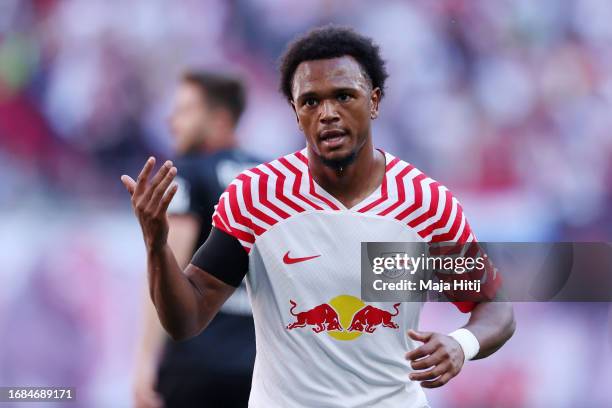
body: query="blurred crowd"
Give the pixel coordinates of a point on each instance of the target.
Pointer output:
(506, 102)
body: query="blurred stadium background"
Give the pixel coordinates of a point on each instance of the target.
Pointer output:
(508, 103)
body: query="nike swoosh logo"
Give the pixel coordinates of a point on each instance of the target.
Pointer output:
(288, 260)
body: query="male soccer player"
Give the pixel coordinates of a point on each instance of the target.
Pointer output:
(295, 225)
(215, 368)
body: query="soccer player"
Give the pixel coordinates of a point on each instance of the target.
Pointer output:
(294, 226)
(215, 368)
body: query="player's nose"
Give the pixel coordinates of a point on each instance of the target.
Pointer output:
(328, 112)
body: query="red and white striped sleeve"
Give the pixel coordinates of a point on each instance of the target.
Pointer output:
(231, 217)
(245, 210)
(445, 222)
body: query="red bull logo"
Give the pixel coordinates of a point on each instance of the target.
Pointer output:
(370, 317)
(344, 317)
(322, 317)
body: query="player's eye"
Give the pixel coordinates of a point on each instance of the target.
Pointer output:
(310, 102)
(344, 97)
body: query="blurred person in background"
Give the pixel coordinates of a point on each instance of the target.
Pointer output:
(215, 368)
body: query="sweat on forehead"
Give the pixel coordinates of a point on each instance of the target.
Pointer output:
(343, 72)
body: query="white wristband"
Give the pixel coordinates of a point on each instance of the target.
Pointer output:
(467, 340)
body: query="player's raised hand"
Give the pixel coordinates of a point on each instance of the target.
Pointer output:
(150, 201)
(440, 357)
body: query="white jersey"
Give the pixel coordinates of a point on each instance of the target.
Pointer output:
(304, 282)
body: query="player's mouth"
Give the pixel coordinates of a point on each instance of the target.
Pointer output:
(333, 138)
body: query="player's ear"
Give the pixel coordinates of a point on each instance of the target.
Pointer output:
(375, 96)
(297, 118)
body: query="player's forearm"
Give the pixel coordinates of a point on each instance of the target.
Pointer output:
(493, 324)
(175, 297)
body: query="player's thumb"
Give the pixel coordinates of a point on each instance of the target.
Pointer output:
(419, 335)
(129, 183)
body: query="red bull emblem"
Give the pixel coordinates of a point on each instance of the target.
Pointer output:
(344, 311)
(323, 317)
(370, 317)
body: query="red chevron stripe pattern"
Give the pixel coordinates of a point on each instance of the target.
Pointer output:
(262, 196)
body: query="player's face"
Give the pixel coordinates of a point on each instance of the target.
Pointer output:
(334, 104)
(189, 119)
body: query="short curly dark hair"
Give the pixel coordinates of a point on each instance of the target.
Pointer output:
(332, 41)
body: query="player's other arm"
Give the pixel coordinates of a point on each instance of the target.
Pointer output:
(186, 301)
(493, 324)
(441, 356)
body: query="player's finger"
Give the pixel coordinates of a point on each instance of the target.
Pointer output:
(161, 173)
(141, 181)
(428, 361)
(165, 202)
(147, 196)
(422, 351)
(129, 183)
(419, 335)
(161, 188)
(438, 382)
(429, 374)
